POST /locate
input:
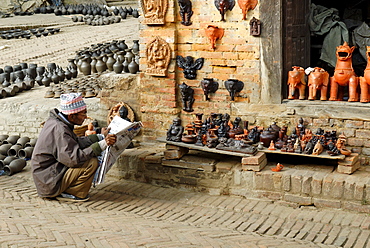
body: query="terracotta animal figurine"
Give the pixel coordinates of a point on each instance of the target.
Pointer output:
(365, 80)
(318, 80)
(214, 34)
(223, 6)
(296, 81)
(247, 5)
(344, 75)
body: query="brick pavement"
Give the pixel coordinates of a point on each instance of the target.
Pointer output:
(133, 214)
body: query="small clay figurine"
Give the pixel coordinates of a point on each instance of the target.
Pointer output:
(318, 148)
(90, 129)
(341, 145)
(272, 146)
(278, 167)
(175, 131)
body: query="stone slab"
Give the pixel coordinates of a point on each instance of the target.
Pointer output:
(191, 162)
(255, 167)
(175, 154)
(254, 160)
(348, 169)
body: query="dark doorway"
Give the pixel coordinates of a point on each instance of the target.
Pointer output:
(295, 19)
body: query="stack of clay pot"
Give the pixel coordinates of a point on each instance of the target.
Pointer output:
(111, 56)
(15, 79)
(14, 151)
(88, 86)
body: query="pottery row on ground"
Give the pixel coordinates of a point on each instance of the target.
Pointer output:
(97, 20)
(14, 151)
(19, 33)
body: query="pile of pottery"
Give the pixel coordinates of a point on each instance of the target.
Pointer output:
(15, 79)
(123, 12)
(88, 87)
(55, 74)
(19, 33)
(112, 56)
(96, 20)
(14, 151)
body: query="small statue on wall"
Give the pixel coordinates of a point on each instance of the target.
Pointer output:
(223, 6)
(122, 110)
(174, 133)
(247, 5)
(187, 97)
(255, 27)
(209, 86)
(189, 65)
(154, 11)
(214, 34)
(233, 86)
(158, 55)
(185, 11)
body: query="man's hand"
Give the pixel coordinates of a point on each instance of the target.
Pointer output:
(105, 131)
(110, 139)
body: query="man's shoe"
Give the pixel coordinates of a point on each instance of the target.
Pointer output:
(71, 198)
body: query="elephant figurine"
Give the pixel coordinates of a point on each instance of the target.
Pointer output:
(365, 80)
(214, 34)
(344, 75)
(296, 81)
(318, 79)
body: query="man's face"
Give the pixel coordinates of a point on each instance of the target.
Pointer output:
(78, 118)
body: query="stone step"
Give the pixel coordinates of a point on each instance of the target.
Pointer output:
(132, 3)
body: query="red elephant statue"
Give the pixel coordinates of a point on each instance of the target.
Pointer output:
(318, 80)
(344, 75)
(296, 81)
(365, 80)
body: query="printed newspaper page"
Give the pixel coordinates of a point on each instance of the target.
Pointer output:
(125, 132)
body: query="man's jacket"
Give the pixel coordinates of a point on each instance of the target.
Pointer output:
(57, 149)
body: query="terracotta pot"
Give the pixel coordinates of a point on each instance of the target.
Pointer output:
(13, 151)
(4, 149)
(25, 152)
(15, 166)
(22, 141)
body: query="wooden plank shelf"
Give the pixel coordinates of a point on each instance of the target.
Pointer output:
(324, 155)
(203, 148)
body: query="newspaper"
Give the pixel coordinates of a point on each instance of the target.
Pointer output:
(125, 132)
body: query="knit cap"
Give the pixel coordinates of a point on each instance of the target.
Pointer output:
(71, 103)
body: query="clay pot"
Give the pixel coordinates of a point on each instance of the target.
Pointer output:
(133, 67)
(25, 152)
(266, 137)
(4, 149)
(100, 65)
(118, 67)
(9, 159)
(13, 151)
(31, 143)
(12, 139)
(93, 65)
(22, 141)
(135, 46)
(3, 137)
(15, 166)
(110, 62)
(52, 66)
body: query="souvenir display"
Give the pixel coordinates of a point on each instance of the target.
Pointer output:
(247, 5)
(365, 80)
(185, 11)
(158, 55)
(189, 66)
(318, 81)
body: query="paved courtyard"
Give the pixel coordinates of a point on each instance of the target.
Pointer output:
(131, 214)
